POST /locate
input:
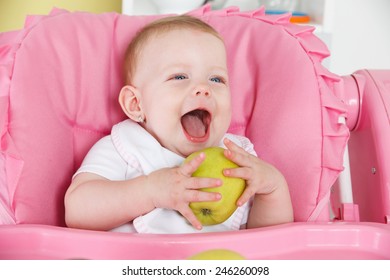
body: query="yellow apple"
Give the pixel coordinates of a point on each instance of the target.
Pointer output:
(216, 212)
(217, 254)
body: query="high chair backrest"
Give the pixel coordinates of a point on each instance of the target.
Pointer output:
(61, 75)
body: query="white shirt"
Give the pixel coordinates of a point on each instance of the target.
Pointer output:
(130, 151)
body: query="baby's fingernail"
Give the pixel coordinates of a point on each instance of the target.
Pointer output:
(218, 196)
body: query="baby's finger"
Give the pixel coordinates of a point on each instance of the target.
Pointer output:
(237, 154)
(191, 166)
(246, 196)
(239, 172)
(230, 145)
(191, 218)
(202, 182)
(197, 196)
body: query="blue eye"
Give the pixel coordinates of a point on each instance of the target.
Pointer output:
(179, 77)
(216, 80)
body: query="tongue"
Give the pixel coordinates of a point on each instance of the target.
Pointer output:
(193, 125)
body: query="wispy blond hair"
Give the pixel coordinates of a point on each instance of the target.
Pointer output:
(157, 27)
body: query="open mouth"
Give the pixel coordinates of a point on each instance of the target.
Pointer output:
(196, 124)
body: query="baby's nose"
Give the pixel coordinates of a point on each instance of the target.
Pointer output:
(202, 91)
(205, 93)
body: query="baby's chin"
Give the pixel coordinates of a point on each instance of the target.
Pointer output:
(186, 152)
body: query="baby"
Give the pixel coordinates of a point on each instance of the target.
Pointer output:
(177, 100)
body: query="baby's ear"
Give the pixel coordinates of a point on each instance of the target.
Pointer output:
(129, 99)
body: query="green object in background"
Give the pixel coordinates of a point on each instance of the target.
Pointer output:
(14, 12)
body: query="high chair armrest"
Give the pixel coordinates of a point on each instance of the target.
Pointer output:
(369, 147)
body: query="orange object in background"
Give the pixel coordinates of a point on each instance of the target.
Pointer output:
(300, 18)
(297, 17)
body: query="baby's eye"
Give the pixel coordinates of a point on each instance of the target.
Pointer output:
(217, 80)
(179, 77)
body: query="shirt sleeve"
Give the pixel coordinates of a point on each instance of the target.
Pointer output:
(103, 160)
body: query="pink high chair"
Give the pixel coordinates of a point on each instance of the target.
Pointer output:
(59, 81)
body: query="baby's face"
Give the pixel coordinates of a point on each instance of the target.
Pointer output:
(183, 80)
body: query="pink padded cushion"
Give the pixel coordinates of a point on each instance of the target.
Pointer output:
(61, 74)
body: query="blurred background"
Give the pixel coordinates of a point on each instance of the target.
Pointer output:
(357, 32)
(13, 12)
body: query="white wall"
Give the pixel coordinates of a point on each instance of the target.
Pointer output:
(360, 35)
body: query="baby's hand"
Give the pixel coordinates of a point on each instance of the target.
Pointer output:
(174, 188)
(261, 178)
